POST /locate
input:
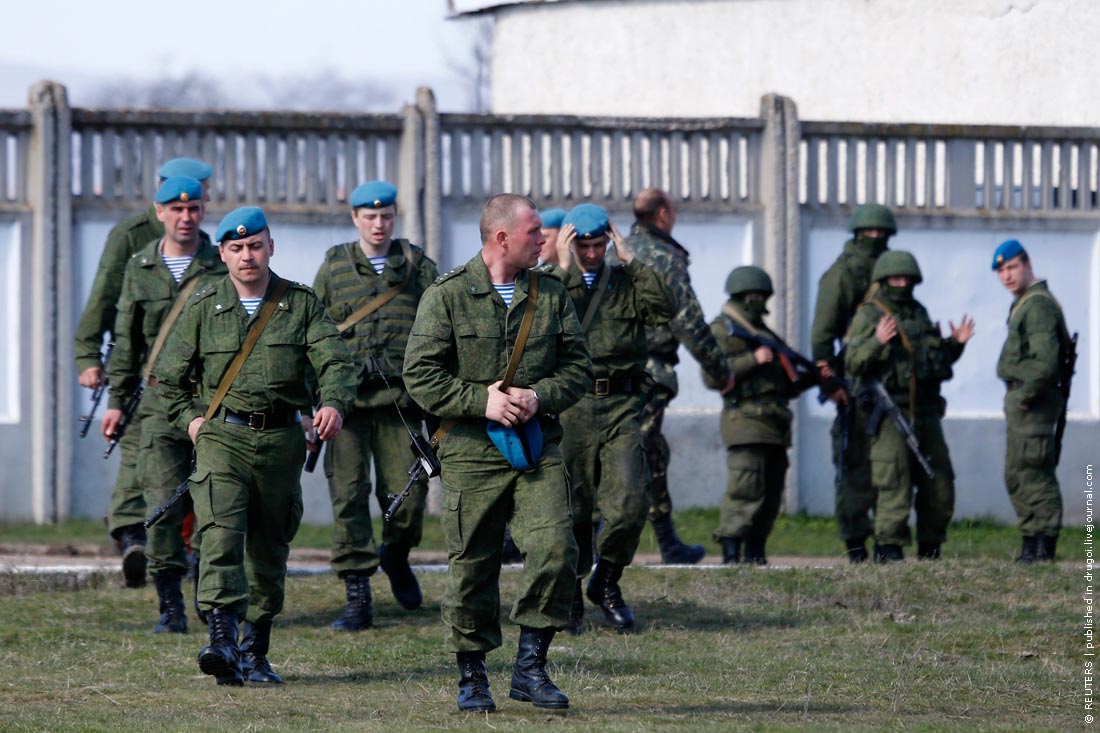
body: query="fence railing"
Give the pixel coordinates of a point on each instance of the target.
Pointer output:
(15, 132)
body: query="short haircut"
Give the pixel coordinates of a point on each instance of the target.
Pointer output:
(500, 213)
(648, 202)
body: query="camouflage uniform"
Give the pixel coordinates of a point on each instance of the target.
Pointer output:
(346, 282)
(460, 343)
(245, 488)
(1029, 365)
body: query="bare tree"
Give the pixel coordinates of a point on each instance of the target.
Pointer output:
(475, 71)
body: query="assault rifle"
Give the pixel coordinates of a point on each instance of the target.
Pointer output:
(97, 394)
(883, 406)
(129, 410)
(799, 369)
(1066, 367)
(161, 510)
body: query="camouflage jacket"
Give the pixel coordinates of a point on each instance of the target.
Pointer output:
(1037, 338)
(839, 293)
(688, 327)
(148, 293)
(346, 282)
(300, 335)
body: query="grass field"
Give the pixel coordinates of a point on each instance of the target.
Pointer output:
(965, 644)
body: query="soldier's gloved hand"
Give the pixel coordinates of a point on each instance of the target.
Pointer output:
(502, 407)
(886, 329)
(193, 427)
(964, 331)
(622, 251)
(566, 236)
(327, 422)
(91, 377)
(763, 355)
(111, 419)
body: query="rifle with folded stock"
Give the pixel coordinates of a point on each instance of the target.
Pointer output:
(884, 406)
(129, 410)
(97, 394)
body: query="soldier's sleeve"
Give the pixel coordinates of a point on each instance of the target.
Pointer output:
(337, 377)
(1037, 368)
(653, 298)
(124, 369)
(830, 315)
(737, 353)
(572, 375)
(429, 356)
(690, 327)
(99, 312)
(174, 366)
(320, 283)
(865, 354)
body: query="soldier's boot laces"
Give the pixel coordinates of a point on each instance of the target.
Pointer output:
(1045, 547)
(173, 618)
(604, 591)
(132, 539)
(576, 612)
(358, 613)
(1029, 550)
(473, 684)
(673, 550)
(530, 681)
(928, 551)
(394, 562)
(754, 553)
(222, 658)
(888, 553)
(254, 648)
(731, 550)
(510, 554)
(857, 550)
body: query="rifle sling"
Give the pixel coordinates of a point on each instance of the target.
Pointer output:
(249, 343)
(169, 321)
(597, 296)
(382, 299)
(784, 360)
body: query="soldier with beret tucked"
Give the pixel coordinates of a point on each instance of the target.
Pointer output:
(353, 275)
(249, 455)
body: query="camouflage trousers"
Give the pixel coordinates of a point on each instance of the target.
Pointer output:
(855, 496)
(371, 435)
(127, 505)
(1030, 464)
(754, 491)
(656, 450)
(163, 464)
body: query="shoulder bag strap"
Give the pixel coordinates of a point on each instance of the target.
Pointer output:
(597, 296)
(169, 321)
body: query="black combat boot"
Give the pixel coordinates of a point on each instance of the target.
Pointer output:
(222, 658)
(394, 561)
(673, 550)
(1045, 547)
(857, 550)
(530, 681)
(1029, 550)
(358, 614)
(473, 684)
(731, 550)
(604, 591)
(132, 541)
(754, 553)
(928, 550)
(173, 619)
(888, 553)
(576, 612)
(254, 646)
(509, 553)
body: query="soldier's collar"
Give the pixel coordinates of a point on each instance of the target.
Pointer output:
(660, 234)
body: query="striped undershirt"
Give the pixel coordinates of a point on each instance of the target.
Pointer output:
(251, 304)
(506, 291)
(589, 278)
(378, 263)
(177, 265)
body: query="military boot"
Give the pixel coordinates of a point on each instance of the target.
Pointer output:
(857, 550)
(394, 562)
(888, 553)
(673, 550)
(254, 646)
(530, 681)
(473, 684)
(754, 553)
(1029, 549)
(358, 614)
(173, 619)
(132, 541)
(604, 591)
(731, 550)
(222, 658)
(1045, 547)
(928, 550)
(576, 612)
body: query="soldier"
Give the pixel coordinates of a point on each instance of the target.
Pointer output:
(460, 346)
(651, 241)
(551, 225)
(602, 443)
(840, 291)
(249, 454)
(893, 341)
(157, 283)
(756, 422)
(1030, 365)
(386, 276)
(127, 506)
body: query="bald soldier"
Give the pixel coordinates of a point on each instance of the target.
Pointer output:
(493, 472)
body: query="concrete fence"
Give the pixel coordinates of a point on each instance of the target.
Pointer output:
(771, 190)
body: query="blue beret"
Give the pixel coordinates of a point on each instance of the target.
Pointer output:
(374, 195)
(179, 188)
(588, 219)
(241, 223)
(552, 218)
(1006, 252)
(186, 167)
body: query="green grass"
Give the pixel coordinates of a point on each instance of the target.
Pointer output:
(959, 645)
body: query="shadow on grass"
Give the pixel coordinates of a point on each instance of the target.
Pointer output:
(385, 617)
(662, 615)
(704, 710)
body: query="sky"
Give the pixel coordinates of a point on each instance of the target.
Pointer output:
(396, 44)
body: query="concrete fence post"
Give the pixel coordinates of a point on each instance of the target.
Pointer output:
(433, 175)
(410, 175)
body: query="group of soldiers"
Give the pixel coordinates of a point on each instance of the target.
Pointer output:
(541, 369)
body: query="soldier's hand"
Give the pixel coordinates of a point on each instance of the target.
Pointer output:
(826, 371)
(111, 419)
(327, 422)
(526, 400)
(501, 407)
(886, 329)
(964, 331)
(193, 427)
(763, 355)
(729, 385)
(566, 236)
(838, 397)
(91, 377)
(622, 251)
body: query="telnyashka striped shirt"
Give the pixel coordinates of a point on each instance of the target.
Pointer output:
(177, 265)
(378, 263)
(251, 304)
(506, 291)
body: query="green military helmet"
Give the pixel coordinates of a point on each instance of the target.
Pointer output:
(748, 279)
(872, 216)
(896, 262)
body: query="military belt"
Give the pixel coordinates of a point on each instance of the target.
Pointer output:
(262, 420)
(614, 385)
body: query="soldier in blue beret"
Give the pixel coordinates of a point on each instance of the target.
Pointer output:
(551, 225)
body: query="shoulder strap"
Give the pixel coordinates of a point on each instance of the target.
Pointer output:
(597, 296)
(249, 343)
(385, 297)
(524, 330)
(169, 321)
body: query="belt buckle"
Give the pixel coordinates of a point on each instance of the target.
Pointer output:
(252, 420)
(603, 387)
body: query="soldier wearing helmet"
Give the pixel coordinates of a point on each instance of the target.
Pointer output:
(840, 291)
(756, 422)
(893, 340)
